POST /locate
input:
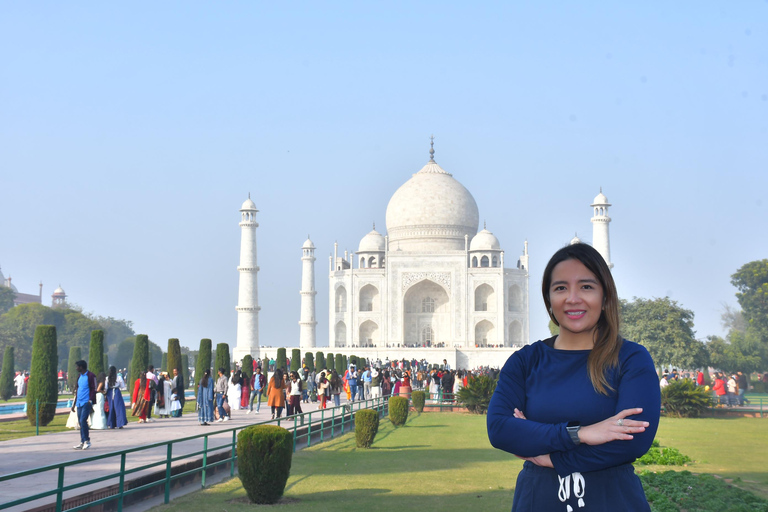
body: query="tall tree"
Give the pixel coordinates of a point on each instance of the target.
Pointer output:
(7, 374)
(280, 361)
(124, 352)
(295, 359)
(203, 361)
(174, 357)
(222, 358)
(140, 359)
(96, 352)
(666, 329)
(43, 376)
(75, 355)
(752, 282)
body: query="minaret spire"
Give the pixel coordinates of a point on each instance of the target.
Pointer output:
(432, 148)
(248, 295)
(307, 322)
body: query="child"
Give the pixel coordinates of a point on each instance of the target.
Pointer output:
(175, 405)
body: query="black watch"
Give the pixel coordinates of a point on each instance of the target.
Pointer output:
(573, 428)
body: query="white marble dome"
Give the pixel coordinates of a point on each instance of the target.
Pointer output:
(485, 241)
(600, 199)
(372, 242)
(308, 244)
(248, 205)
(431, 211)
(59, 291)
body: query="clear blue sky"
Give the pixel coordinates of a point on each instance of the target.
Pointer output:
(132, 133)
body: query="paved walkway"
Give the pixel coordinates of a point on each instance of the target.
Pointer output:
(37, 451)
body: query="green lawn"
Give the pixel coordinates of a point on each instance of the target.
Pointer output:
(443, 461)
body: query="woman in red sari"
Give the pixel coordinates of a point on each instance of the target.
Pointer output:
(141, 397)
(245, 390)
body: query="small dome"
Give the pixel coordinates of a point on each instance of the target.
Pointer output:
(59, 291)
(600, 200)
(372, 242)
(484, 241)
(248, 205)
(575, 240)
(308, 244)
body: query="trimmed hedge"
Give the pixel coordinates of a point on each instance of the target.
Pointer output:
(164, 364)
(7, 375)
(330, 362)
(106, 363)
(366, 427)
(140, 359)
(340, 368)
(222, 359)
(398, 410)
(264, 455)
(174, 357)
(75, 354)
(248, 366)
(185, 372)
(43, 375)
(418, 397)
(203, 361)
(265, 366)
(280, 360)
(96, 352)
(309, 360)
(295, 359)
(320, 361)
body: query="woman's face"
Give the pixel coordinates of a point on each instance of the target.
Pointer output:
(576, 297)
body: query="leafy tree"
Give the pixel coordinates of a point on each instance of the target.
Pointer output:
(280, 361)
(739, 352)
(295, 359)
(752, 282)
(6, 375)
(309, 360)
(74, 330)
(222, 358)
(140, 359)
(115, 330)
(124, 352)
(75, 355)
(6, 299)
(666, 329)
(11, 336)
(203, 361)
(96, 352)
(320, 360)
(17, 329)
(174, 357)
(155, 354)
(43, 376)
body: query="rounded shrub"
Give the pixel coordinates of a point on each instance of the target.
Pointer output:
(366, 427)
(264, 454)
(7, 375)
(684, 400)
(418, 397)
(203, 361)
(398, 410)
(43, 375)
(476, 395)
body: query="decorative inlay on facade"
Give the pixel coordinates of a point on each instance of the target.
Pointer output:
(441, 278)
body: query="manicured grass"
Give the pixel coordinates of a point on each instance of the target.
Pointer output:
(443, 461)
(21, 428)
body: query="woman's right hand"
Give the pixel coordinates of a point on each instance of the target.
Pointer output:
(612, 429)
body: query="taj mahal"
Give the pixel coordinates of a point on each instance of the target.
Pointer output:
(431, 287)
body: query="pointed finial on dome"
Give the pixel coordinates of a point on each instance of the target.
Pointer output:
(249, 195)
(374, 226)
(483, 224)
(431, 148)
(601, 190)
(307, 236)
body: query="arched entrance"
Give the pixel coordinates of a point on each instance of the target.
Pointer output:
(426, 304)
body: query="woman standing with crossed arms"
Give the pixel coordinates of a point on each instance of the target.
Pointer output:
(581, 406)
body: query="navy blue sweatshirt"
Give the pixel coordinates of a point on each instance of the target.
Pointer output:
(552, 387)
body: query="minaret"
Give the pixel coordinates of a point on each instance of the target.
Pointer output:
(248, 298)
(307, 336)
(600, 220)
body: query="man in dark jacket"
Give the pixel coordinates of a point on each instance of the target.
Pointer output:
(85, 399)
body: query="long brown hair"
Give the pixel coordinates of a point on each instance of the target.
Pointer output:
(605, 353)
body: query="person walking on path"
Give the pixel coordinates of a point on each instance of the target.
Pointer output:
(205, 399)
(85, 399)
(276, 394)
(259, 382)
(221, 393)
(179, 385)
(295, 394)
(116, 417)
(141, 398)
(98, 416)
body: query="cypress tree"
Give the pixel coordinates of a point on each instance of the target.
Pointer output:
(140, 360)
(320, 361)
(346, 363)
(222, 358)
(248, 365)
(106, 363)
(174, 357)
(353, 360)
(7, 374)
(75, 354)
(265, 366)
(96, 352)
(185, 369)
(330, 361)
(43, 375)
(295, 359)
(340, 364)
(203, 361)
(309, 360)
(164, 364)
(280, 360)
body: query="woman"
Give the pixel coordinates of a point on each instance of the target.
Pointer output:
(386, 384)
(235, 389)
(276, 394)
(295, 394)
(116, 416)
(245, 390)
(322, 386)
(163, 396)
(141, 397)
(98, 416)
(337, 386)
(205, 399)
(405, 386)
(581, 406)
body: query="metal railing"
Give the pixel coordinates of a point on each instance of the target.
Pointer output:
(316, 423)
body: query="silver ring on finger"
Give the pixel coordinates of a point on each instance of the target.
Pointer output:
(620, 422)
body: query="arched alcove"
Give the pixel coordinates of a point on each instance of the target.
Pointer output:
(341, 299)
(340, 334)
(369, 298)
(426, 304)
(485, 298)
(484, 333)
(515, 298)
